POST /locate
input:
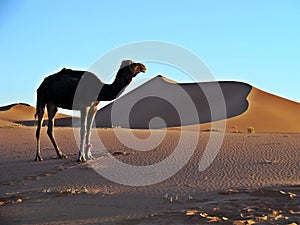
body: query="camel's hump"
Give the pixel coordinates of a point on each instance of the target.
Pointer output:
(69, 75)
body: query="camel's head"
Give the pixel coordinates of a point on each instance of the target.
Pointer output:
(128, 70)
(132, 67)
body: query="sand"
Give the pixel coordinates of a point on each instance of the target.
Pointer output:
(254, 178)
(245, 178)
(267, 113)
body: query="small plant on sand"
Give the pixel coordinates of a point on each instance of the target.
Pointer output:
(251, 130)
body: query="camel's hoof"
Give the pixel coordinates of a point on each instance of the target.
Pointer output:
(62, 156)
(81, 159)
(38, 158)
(90, 157)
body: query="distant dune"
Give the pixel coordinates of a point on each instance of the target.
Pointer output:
(17, 112)
(20, 113)
(246, 107)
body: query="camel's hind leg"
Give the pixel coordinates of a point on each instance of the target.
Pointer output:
(52, 110)
(40, 115)
(89, 123)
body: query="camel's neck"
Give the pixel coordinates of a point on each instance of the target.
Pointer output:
(110, 92)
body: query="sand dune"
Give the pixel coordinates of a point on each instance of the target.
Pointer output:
(246, 106)
(190, 106)
(21, 113)
(267, 113)
(176, 104)
(17, 112)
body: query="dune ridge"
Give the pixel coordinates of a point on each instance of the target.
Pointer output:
(246, 107)
(21, 113)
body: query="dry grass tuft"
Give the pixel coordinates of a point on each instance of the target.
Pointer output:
(251, 130)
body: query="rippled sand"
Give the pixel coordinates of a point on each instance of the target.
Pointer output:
(253, 178)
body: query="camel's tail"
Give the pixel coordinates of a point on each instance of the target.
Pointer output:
(40, 103)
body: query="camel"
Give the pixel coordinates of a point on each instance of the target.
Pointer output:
(79, 90)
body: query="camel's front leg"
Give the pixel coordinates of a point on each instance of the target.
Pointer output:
(90, 119)
(83, 116)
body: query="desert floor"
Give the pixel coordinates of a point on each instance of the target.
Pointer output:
(254, 179)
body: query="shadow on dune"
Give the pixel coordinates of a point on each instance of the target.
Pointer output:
(159, 98)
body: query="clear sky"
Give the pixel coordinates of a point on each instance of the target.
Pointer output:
(255, 41)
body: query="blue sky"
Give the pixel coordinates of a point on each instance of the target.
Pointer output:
(257, 42)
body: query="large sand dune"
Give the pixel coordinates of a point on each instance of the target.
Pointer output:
(176, 104)
(246, 106)
(190, 106)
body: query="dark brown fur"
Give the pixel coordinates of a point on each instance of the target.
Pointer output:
(79, 90)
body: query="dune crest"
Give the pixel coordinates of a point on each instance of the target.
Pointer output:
(21, 113)
(167, 79)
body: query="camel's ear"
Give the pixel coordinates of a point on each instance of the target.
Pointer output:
(126, 63)
(134, 68)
